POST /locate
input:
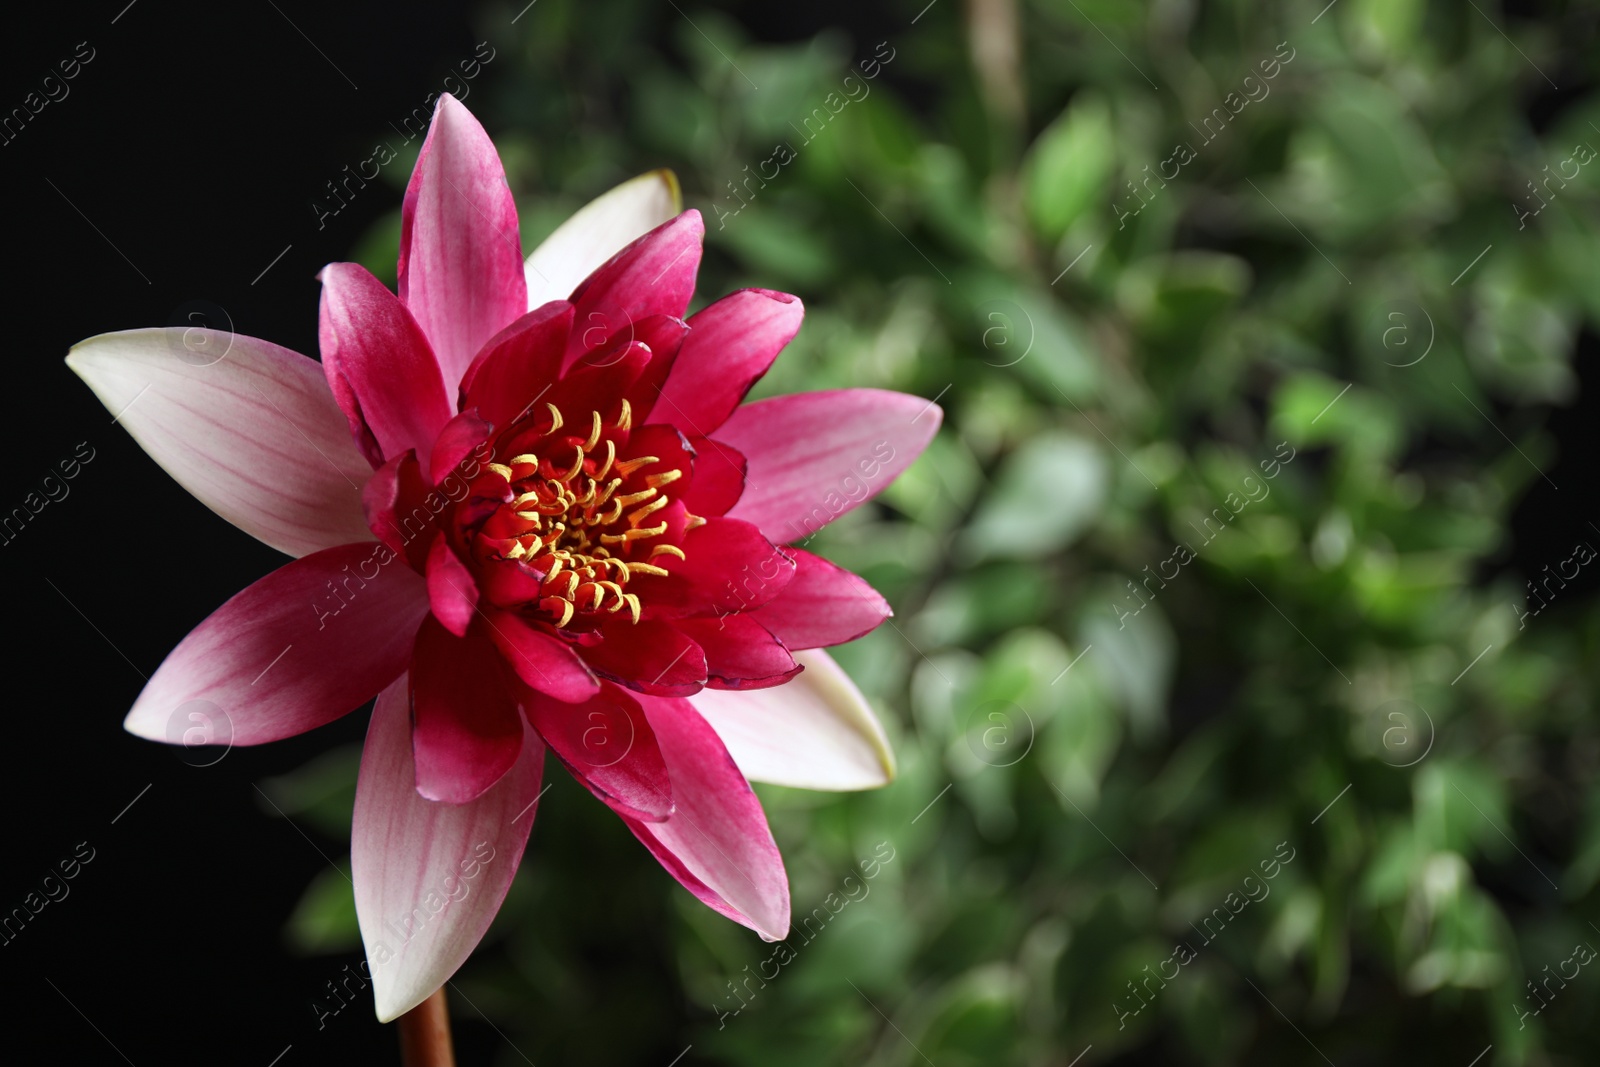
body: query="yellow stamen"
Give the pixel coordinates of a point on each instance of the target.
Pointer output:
(666, 550)
(634, 534)
(566, 609)
(502, 470)
(555, 416)
(628, 466)
(633, 605)
(635, 517)
(656, 481)
(611, 456)
(648, 568)
(594, 433)
(577, 465)
(625, 419)
(627, 500)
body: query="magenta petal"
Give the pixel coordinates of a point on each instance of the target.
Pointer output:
(311, 641)
(652, 276)
(542, 661)
(467, 730)
(651, 656)
(731, 343)
(518, 364)
(462, 443)
(460, 251)
(740, 653)
(728, 565)
(823, 605)
(718, 478)
(608, 745)
(396, 513)
(716, 842)
(451, 589)
(379, 364)
(429, 877)
(814, 456)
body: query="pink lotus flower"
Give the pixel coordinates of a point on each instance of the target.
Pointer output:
(527, 520)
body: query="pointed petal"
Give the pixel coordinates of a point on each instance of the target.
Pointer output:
(543, 662)
(731, 343)
(814, 456)
(815, 732)
(716, 842)
(466, 729)
(254, 434)
(518, 364)
(460, 252)
(462, 445)
(429, 877)
(395, 500)
(311, 641)
(822, 605)
(607, 743)
(651, 656)
(740, 652)
(598, 231)
(718, 478)
(727, 566)
(652, 276)
(451, 589)
(379, 364)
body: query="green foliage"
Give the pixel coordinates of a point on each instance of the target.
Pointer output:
(1197, 569)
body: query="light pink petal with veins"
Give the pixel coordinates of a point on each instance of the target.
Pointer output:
(429, 877)
(460, 251)
(246, 426)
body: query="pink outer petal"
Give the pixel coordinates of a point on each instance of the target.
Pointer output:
(460, 252)
(652, 276)
(466, 729)
(254, 435)
(311, 641)
(815, 732)
(822, 605)
(451, 589)
(814, 456)
(378, 363)
(607, 743)
(598, 231)
(731, 343)
(716, 842)
(429, 877)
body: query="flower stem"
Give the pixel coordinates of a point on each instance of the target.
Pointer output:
(425, 1034)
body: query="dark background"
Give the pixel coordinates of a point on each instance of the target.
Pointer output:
(195, 141)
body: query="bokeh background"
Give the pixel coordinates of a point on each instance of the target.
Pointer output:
(1242, 604)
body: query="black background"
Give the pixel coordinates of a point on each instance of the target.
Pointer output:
(190, 148)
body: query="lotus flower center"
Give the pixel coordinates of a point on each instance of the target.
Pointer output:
(588, 522)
